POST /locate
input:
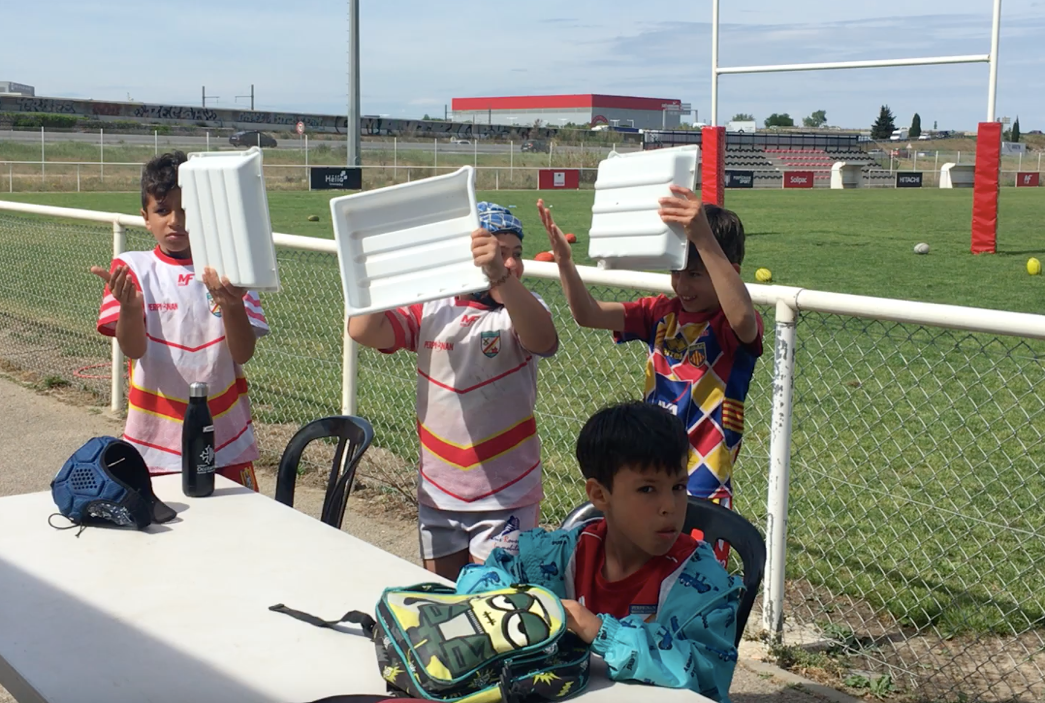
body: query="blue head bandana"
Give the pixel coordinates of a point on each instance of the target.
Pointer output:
(495, 218)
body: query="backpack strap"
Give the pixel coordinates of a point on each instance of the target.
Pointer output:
(510, 692)
(353, 616)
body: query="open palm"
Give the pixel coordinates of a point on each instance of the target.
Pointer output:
(560, 247)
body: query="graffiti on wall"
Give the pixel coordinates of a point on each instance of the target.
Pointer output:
(175, 112)
(265, 120)
(434, 129)
(49, 105)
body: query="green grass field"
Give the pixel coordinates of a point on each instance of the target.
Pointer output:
(916, 480)
(856, 242)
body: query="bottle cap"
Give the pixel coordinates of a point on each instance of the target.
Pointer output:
(198, 390)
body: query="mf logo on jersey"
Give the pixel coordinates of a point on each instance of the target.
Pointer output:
(491, 343)
(215, 309)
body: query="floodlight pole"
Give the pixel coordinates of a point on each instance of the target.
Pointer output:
(352, 125)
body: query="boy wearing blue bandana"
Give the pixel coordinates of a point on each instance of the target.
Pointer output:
(480, 469)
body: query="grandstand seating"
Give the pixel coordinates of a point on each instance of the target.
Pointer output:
(769, 162)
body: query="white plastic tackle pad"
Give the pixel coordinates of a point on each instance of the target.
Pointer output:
(227, 215)
(625, 224)
(408, 243)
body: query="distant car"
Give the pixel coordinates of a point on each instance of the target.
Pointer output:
(460, 141)
(535, 145)
(924, 137)
(252, 138)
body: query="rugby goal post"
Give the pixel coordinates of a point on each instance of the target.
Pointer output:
(984, 238)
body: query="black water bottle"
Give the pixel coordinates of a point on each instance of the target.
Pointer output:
(197, 445)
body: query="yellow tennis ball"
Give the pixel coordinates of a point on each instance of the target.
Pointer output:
(764, 275)
(1033, 266)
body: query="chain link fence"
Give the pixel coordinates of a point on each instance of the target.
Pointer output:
(588, 372)
(915, 522)
(915, 542)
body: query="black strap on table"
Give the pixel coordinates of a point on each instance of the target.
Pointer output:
(354, 616)
(358, 698)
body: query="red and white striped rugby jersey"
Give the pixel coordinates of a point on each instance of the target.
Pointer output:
(185, 344)
(476, 393)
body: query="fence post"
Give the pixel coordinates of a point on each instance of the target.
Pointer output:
(43, 158)
(349, 371)
(119, 245)
(435, 163)
(395, 159)
(307, 179)
(77, 178)
(511, 161)
(10, 178)
(101, 144)
(155, 141)
(779, 467)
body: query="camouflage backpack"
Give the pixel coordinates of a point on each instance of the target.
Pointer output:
(509, 644)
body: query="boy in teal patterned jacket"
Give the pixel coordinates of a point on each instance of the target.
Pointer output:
(653, 602)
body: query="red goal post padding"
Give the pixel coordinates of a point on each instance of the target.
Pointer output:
(985, 188)
(713, 165)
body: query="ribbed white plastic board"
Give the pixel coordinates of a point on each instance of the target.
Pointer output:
(227, 215)
(408, 243)
(625, 225)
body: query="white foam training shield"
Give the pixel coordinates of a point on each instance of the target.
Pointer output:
(408, 243)
(625, 226)
(227, 215)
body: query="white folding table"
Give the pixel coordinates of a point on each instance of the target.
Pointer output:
(180, 612)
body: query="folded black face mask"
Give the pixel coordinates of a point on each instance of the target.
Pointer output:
(106, 480)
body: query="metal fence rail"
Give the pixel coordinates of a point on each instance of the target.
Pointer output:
(893, 450)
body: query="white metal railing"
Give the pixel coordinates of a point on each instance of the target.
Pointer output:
(121, 221)
(789, 305)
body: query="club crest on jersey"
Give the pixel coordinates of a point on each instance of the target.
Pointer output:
(491, 343)
(680, 350)
(215, 309)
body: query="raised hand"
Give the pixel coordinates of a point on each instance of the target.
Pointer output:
(560, 247)
(121, 285)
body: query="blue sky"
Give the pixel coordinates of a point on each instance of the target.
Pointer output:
(417, 55)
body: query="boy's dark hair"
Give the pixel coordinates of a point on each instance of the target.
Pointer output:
(635, 434)
(728, 231)
(160, 176)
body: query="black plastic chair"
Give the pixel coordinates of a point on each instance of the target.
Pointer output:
(716, 523)
(354, 435)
